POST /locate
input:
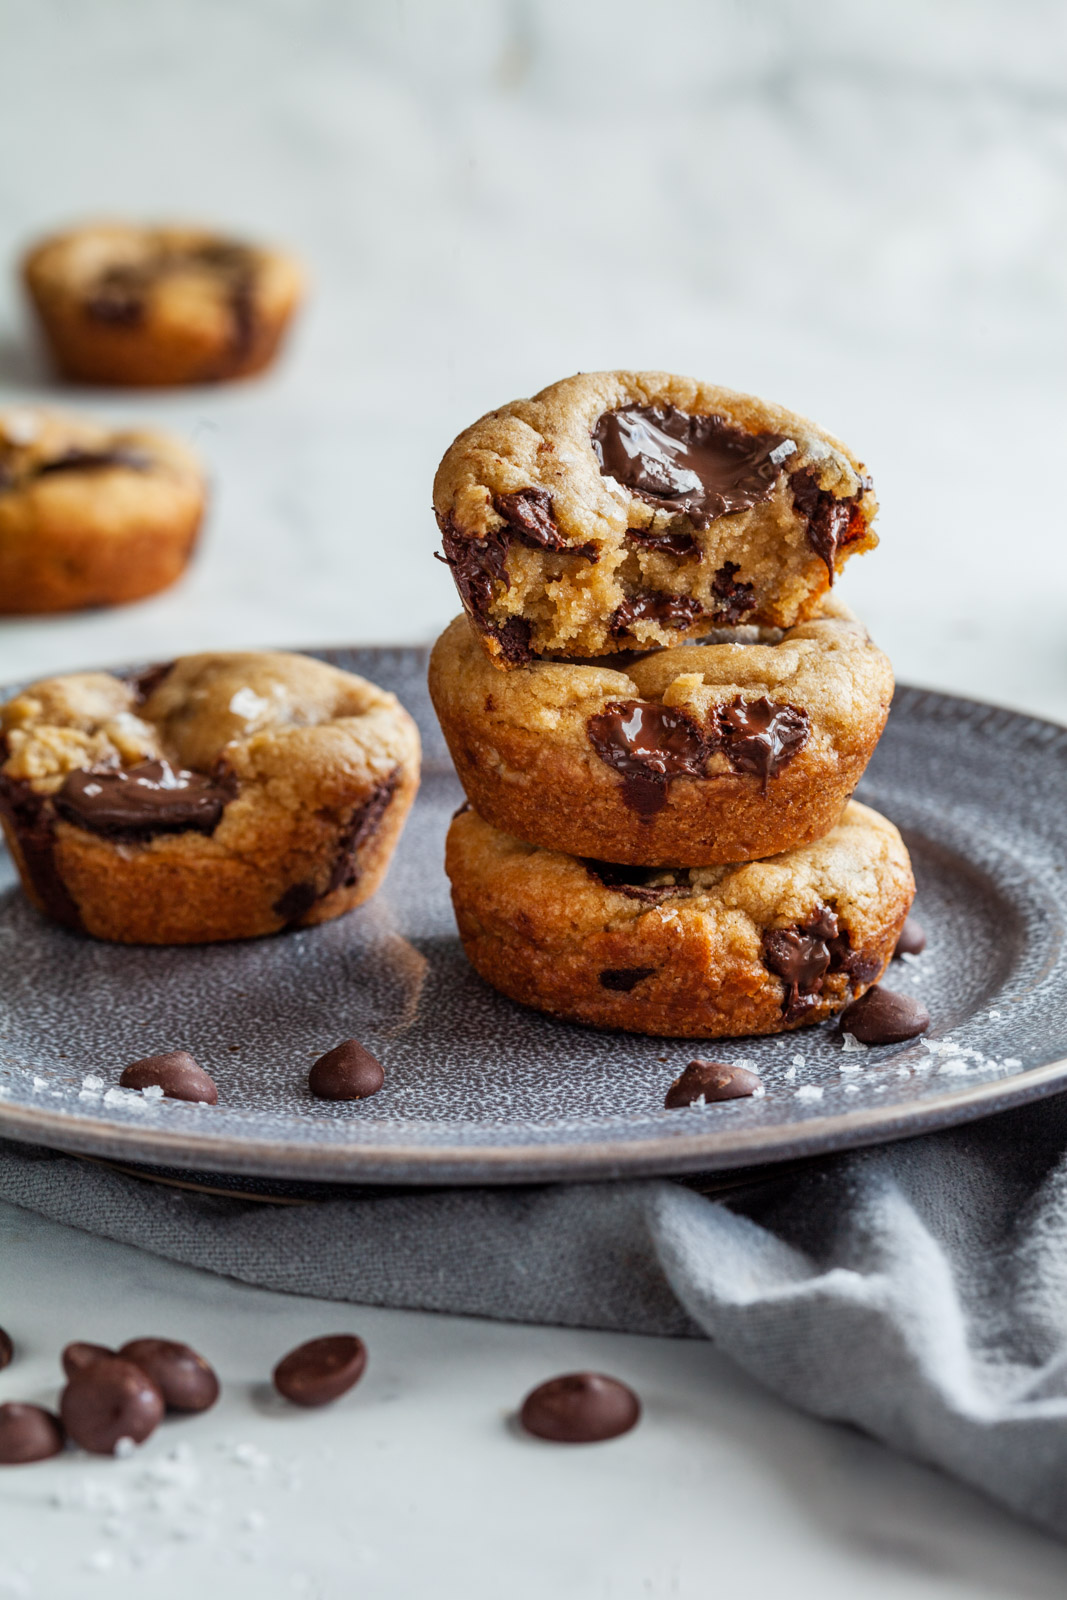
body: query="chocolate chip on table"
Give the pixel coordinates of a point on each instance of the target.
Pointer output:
(714, 1080)
(580, 1408)
(7, 1349)
(80, 1356)
(185, 1380)
(882, 1017)
(347, 1072)
(109, 1401)
(912, 941)
(322, 1370)
(28, 1433)
(176, 1073)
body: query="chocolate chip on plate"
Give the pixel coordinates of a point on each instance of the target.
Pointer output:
(882, 1017)
(80, 1356)
(347, 1072)
(28, 1433)
(322, 1370)
(185, 1380)
(580, 1408)
(912, 941)
(7, 1349)
(715, 1080)
(109, 1401)
(176, 1073)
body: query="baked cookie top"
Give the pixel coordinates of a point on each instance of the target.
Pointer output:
(623, 509)
(51, 454)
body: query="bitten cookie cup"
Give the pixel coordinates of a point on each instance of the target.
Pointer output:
(711, 753)
(622, 510)
(763, 947)
(89, 515)
(160, 305)
(217, 797)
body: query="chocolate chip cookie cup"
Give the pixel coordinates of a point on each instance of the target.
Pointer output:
(154, 306)
(89, 515)
(713, 952)
(220, 796)
(739, 747)
(626, 510)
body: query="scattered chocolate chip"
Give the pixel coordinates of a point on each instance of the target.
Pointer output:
(648, 744)
(80, 1356)
(322, 1370)
(185, 1380)
(28, 1433)
(832, 523)
(176, 1073)
(347, 1072)
(623, 979)
(912, 941)
(761, 737)
(580, 1408)
(700, 466)
(137, 802)
(109, 1401)
(669, 610)
(736, 598)
(712, 1080)
(7, 1350)
(530, 517)
(882, 1017)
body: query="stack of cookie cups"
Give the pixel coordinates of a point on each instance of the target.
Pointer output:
(659, 711)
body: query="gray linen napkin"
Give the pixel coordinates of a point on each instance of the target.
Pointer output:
(918, 1290)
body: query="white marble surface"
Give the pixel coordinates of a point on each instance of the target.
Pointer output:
(857, 210)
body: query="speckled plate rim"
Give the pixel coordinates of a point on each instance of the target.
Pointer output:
(677, 1150)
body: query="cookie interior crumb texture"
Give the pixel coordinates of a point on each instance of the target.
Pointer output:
(622, 510)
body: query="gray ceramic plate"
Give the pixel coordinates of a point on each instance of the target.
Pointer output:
(479, 1090)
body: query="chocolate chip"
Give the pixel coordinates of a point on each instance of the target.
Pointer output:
(912, 941)
(28, 1433)
(801, 956)
(624, 979)
(80, 1356)
(700, 466)
(761, 736)
(184, 1378)
(347, 1072)
(7, 1349)
(580, 1408)
(882, 1017)
(138, 802)
(176, 1073)
(648, 744)
(530, 517)
(714, 1080)
(633, 881)
(669, 610)
(109, 1401)
(322, 1370)
(736, 598)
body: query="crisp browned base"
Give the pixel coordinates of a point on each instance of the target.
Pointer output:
(71, 567)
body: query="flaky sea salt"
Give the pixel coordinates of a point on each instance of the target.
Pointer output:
(92, 1081)
(850, 1045)
(789, 1074)
(152, 1091)
(783, 451)
(808, 1091)
(698, 1104)
(124, 1448)
(852, 1088)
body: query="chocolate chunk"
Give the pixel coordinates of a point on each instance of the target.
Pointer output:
(801, 956)
(347, 1072)
(761, 737)
(81, 1355)
(7, 1349)
(882, 1017)
(296, 901)
(476, 564)
(623, 979)
(832, 523)
(700, 466)
(322, 1370)
(912, 941)
(513, 637)
(361, 826)
(114, 303)
(95, 460)
(31, 819)
(28, 1433)
(648, 744)
(669, 610)
(633, 881)
(737, 598)
(184, 1378)
(711, 1080)
(145, 683)
(109, 1401)
(668, 544)
(176, 1073)
(580, 1408)
(529, 516)
(138, 802)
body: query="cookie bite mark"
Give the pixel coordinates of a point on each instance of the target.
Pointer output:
(832, 523)
(139, 802)
(647, 745)
(761, 737)
(31, 828)
(736, 598)
(700, 467)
